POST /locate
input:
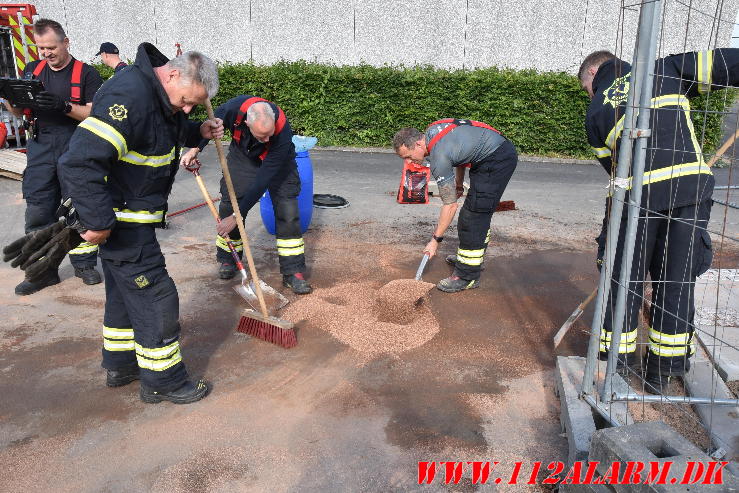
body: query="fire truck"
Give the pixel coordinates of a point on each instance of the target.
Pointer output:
(17, 48)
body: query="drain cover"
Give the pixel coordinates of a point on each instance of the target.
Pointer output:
(328, 201)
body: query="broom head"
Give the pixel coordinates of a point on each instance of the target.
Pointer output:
(270, 329)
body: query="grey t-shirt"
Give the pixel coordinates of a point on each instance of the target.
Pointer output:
(462, 145)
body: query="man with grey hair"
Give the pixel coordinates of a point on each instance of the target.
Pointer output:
(261, 157)
(119, 170)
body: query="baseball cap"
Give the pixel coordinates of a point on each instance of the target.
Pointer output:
(107, 47)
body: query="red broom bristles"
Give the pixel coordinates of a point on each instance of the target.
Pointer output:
(268, 332)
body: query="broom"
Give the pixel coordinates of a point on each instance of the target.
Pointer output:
(259, 325)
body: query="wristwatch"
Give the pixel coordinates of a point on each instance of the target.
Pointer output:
(438, 239)
(67, 107)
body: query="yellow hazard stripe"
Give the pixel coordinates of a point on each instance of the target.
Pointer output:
(223, 244)
(601, 151)
(160, 353)
(84, 248)
(116, 333)
(622, 348)
(672, 339)
(658, 102)
(134, 157)
(146, 217)
(705, 70)
(107, 133)
(671, 351)
(289, 243)
(109, 345)
(625, 336)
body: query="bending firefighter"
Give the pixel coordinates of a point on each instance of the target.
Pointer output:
(119, 170)
(261, 157)
(672, 243)
(450, 145)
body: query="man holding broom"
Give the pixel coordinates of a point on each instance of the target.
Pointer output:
(449, 145)
(261, 157)
(118, 171)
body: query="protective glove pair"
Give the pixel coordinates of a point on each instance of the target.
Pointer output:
(42, 250)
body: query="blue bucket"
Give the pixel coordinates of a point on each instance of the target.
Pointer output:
(305, 199)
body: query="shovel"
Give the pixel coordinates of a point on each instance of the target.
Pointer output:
(273, 299)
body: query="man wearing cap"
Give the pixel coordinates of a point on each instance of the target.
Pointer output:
(108, 53)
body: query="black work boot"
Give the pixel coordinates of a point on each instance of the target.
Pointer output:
(187, 393)
(297, 283)
(88, 275)
(50, 278)
(452, 260)
(454, 284)
(226, 271)
(117, 378)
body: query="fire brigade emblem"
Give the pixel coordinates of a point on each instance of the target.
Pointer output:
(618, 92)
(118, 112)
(141, 281)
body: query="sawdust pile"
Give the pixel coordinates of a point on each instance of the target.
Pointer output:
(393, 319)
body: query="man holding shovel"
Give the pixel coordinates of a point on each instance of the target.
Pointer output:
(449, 145)
(261, 157)
(119, 170)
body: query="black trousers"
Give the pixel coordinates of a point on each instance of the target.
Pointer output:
(488, 181)
(674, 250)
(42, 188)
(284, 193)
(141, 324)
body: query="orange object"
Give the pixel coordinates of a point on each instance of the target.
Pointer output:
(414, 183)
(3, 134)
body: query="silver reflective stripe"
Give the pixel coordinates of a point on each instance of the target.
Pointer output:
(130, 216)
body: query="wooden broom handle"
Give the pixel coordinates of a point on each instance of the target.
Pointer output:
(723, 149)
(207, 198)
(237, 212)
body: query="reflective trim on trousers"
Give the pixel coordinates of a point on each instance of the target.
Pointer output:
(470, 257)
(290, 247)
(158, 359)
(84, 248)
(115, 339)
(147, 217)
(223, 244)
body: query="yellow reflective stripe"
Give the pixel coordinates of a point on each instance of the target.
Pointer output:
(625, 336)
(705, 70)
(164, 352)
(109, 345)
(487, 237)
(289, 243)
(158, 365)
(105, 132)
(622, 348)
(672, 339)
(676, 171)
(601, 151)
(671, 351)
(83, 248)
(658, 102)
(223, 244)
(134, 157)
(470, 257)
(113, 333)
(289, 252)
(129, 216)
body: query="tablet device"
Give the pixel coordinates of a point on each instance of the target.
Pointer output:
(22, 93)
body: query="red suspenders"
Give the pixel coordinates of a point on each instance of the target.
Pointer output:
(75, 82)
(454, 123)
(279, 124)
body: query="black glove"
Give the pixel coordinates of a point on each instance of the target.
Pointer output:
(21, 249)
(50, 102)
(51, 254)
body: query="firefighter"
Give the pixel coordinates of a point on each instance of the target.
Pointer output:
(261, 157)
(70, 86)
(672, 243)
(119, 170)
(109, 55)
(450, 145)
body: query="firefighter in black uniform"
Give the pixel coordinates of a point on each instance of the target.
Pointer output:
(672, 243)
(119, 170)
(70, 87)
(261, 157)
(450, 145)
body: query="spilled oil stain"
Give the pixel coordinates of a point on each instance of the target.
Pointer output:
(77, 300)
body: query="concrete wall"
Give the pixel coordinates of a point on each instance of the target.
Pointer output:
(548, 35)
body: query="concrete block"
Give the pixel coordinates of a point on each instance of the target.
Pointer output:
(652, 441)
(576, 415)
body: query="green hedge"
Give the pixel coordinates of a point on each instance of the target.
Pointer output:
(542, 113)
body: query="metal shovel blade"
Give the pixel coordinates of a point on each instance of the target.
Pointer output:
(273, 299)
